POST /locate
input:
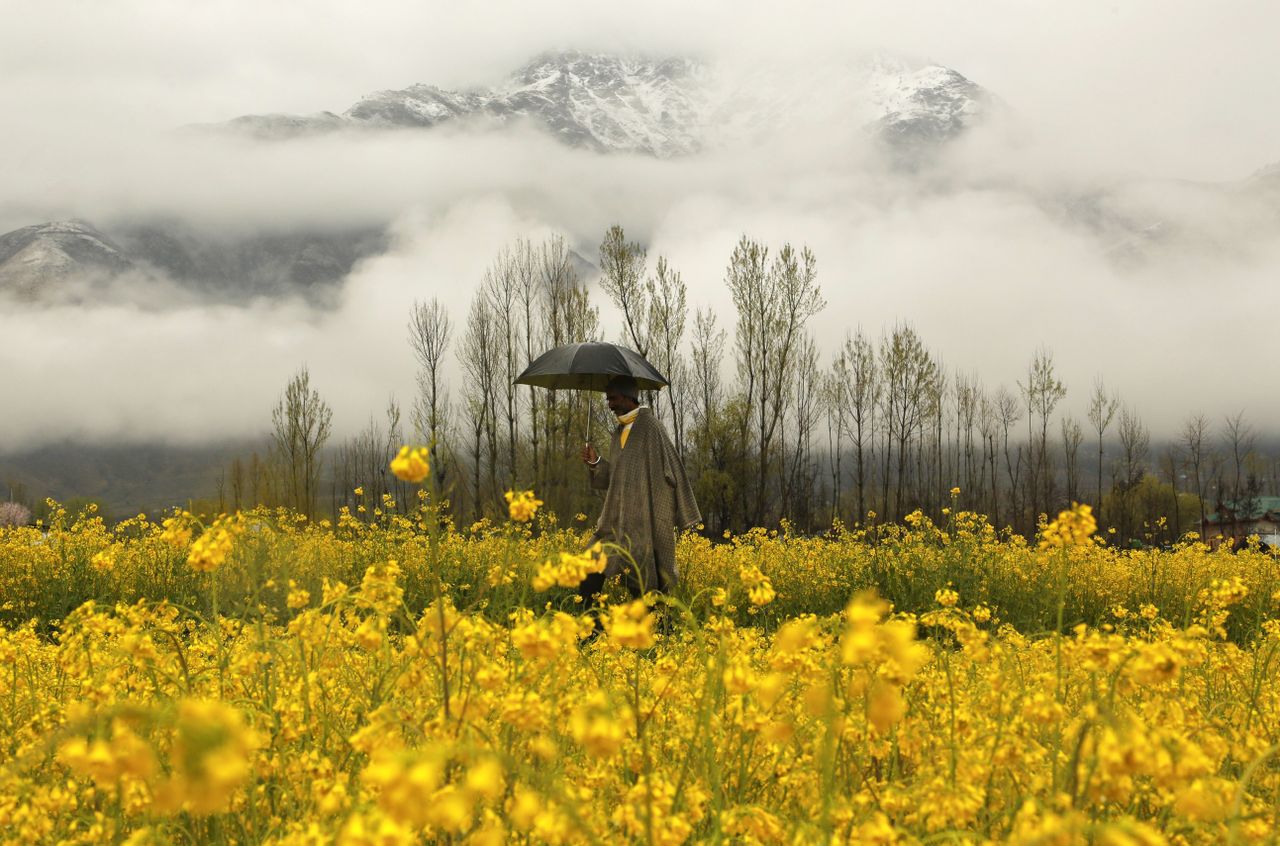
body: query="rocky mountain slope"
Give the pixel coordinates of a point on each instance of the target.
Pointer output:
(74, 261)
(659, 107)
(35, 257)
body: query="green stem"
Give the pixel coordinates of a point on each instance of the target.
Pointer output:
(951, 704)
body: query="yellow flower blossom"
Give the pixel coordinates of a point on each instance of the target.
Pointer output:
(1072, 528)
(759, 586)
(571, 569)
(210, 550)
(210, 757)
(411, 464)
(522, 505)
(434, 696)
(104, 561)
(631, 625)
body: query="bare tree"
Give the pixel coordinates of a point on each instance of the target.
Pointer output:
(501, 286)
(859, 357)
(1239, 439)
(478, 355)
(553, 264)
(936, 411)
(362, 464)
(708, 353)
(1194, 432)
(748, 280)
(1008, 413)
(989, 430)
(622, 278)
(302, 426)
(1135, 442)
(907, 374)
(265, 480)
(1042, 393)
(390, 446)
(835, 395)
(1072, 436)
(667, 313)
(567, 316)
(798, 482)
(1171, 462)
(546, 325)
(237, 484)
(709, 464)
(774, 303)
(968, 395)
(430, 330)
(1102, 409)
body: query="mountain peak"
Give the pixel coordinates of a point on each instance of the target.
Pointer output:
(601, 68)
(32, 256)
(663, 106)
(927, 105)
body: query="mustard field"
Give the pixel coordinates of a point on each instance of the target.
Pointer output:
(396, 679)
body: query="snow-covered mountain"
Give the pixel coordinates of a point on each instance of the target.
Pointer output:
(926, 105)
(661, 107)
(599, 102)
(73, 260)
(666, 107)
(34, 257)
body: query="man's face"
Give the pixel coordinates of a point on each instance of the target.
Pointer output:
(619, 403)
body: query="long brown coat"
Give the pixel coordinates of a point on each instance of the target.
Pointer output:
(647, 497)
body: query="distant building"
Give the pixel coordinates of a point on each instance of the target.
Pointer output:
(1232, 524)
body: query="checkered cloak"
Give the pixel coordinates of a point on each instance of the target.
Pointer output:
(647, 498)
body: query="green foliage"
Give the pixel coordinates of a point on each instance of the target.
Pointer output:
(44, 575)
(1149, 513)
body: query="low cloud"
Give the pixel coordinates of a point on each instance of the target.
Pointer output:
(986, 274)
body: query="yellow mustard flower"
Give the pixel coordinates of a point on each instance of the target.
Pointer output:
(411, 464)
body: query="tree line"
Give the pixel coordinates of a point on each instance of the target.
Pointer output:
(769, 427)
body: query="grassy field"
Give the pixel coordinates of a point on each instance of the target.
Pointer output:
(268, 679)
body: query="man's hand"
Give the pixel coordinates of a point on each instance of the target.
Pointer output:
(589, 455)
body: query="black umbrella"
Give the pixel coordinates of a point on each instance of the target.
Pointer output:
(589, 367)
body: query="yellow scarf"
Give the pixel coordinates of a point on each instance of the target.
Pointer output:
(626, 420)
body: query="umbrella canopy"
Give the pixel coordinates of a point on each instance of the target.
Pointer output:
(589, 367)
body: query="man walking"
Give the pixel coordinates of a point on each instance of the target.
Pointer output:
(647, 497)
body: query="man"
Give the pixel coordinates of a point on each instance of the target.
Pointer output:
(647, 496)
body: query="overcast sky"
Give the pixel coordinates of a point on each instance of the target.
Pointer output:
(1172, 87)
(1119, 93)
